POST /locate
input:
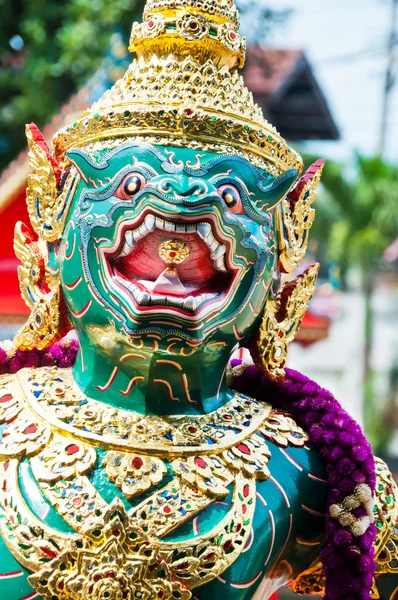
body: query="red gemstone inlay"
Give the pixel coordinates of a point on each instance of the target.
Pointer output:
(97, 578)
(150, 24)
(246, 491)
(244, 509)
(232, 35)
(227, 546)
(110, 575)
(244, 449)
(192, 25)
(61, 585)
(30, 429)
(210, 556)
(49, 553)
(227, 417)
(167, 510)
(116, 532)
(200, 462)
(183, 566)
(72, 449)
(5, 398)
(173, 254)
(137, 462)
(192, 429)
(189, 112)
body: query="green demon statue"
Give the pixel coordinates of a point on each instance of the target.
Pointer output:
(165, 221)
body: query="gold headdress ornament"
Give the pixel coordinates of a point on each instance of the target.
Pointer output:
(183, 89)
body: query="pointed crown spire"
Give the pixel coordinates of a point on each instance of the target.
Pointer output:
(202, 29)
(183, 89)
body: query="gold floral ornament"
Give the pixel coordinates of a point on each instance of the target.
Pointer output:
(281, 320)
(283, 431)
(133, 474)
(63, 459)
(295, 216)
(212, 474)
(112, 561)
(173, 252)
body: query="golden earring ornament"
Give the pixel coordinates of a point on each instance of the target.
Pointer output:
(294, 218)
(284, 313)
(47, 200)
(41, 290)
(281, 322)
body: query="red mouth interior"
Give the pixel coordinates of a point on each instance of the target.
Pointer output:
(197, 273)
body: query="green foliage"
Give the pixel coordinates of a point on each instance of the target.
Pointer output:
(63, 43)
(356, 213)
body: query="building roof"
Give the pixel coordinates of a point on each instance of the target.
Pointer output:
(284, 85)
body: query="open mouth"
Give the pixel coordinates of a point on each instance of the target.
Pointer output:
(183, 265)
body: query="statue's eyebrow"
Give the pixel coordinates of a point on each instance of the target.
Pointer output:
(229, 164)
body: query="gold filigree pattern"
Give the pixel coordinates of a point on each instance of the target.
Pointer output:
(283, 431)
(63, 459)
(295, 216)
(28, 539)
(281, 321)
(169, 507)
(62, 467)
(219, 8)
(217, 113)
(40, 288)
(133, 474)
(53, 394)
(45, 206)
(112, 560)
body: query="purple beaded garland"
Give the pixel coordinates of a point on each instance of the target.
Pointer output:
(348, 561)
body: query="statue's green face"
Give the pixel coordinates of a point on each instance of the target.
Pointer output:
(167, 245)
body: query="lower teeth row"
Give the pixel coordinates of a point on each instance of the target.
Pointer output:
(145, 299)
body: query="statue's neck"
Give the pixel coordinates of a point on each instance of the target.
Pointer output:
(150, 381)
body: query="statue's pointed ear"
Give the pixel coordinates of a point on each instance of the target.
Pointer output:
(295, 216)
(45, 204)
(38, 145)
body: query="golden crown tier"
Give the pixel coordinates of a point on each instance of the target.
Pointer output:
(183, 89)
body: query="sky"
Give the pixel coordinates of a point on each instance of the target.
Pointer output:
(345, 42)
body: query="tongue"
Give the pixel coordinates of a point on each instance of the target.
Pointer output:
(168, 282)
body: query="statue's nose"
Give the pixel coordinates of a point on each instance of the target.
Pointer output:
(181, 187)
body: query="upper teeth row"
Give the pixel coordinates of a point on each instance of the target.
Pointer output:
(217, 250)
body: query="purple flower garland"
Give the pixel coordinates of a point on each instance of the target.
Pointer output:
(62, 354)
(348, 560)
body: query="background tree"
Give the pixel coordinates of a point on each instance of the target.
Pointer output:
(357, 219)
(48, 48)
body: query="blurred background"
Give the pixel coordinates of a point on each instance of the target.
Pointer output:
(325, 74)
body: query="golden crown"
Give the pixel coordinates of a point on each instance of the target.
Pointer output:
(183, 89)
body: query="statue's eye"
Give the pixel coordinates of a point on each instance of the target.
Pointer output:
(130, 186)
(231, 196)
